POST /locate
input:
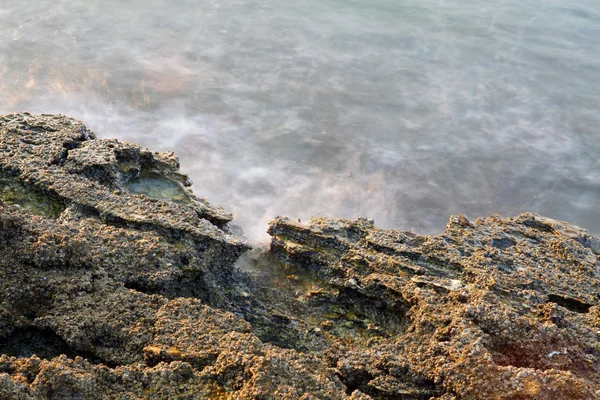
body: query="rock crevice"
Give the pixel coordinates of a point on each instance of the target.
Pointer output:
(116, 281)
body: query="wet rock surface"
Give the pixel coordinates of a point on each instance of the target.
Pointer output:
(117, 282)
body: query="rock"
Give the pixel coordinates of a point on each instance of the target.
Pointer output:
(117, 282)
(80, 185)
(495, 309)
(122, 291)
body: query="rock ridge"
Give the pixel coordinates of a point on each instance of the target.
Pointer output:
(116, 281)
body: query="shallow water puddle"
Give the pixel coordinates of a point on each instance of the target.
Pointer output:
(158, 187)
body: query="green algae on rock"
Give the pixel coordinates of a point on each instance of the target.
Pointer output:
(137, 295)
(14, 191)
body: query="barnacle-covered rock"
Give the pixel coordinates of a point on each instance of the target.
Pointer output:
(499, 308)
(116, 281)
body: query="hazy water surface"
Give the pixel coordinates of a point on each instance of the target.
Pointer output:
(401, 110)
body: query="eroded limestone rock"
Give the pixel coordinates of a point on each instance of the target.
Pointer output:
(492, 309)
(117, 282)
(126, 293)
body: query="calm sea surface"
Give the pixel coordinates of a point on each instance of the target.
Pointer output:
(405, 111)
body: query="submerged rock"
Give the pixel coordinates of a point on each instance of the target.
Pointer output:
(117, 282)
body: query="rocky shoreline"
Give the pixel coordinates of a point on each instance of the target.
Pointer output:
(117, 282)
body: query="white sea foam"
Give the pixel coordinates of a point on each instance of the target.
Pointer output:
(402, 111)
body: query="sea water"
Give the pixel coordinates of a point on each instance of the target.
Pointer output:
(405, 111)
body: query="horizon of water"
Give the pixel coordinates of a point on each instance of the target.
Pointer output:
(403, 111)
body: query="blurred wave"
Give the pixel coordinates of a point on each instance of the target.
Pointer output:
(403, 111)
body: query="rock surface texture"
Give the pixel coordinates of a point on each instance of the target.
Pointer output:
(116, 282)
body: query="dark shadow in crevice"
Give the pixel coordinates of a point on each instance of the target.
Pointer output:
(415, 388)
(570, 304)
(45, 344)
(140, 286)
(539, 225)
(355, 379)
(60, 158)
